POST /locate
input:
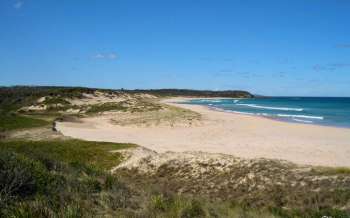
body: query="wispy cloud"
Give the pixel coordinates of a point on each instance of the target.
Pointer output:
(283, 60)
(340, 65)
(330, 67)
(319, 67)
(280, 74)
(223, 73)
(226, 73)
(108, 56)
(18, 5)
(99, 56)
(208, 59)
(345, 45)
(112, 56)
(212, 59)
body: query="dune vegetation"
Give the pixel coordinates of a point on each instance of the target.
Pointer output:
(44, 174)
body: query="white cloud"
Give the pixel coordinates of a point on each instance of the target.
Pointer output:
(110, 56)
(18, 5)
(99, 56)
(343, 45)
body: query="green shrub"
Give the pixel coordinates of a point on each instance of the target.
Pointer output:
(111, 182)
(109, 106)
(42, 209)
(75, 211)
(91, 185)
(86, 168)
(35, 209)
(20, 177)
(158, 202)
(56, 100)
(194, 210)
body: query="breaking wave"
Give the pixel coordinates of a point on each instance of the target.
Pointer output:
(272, 108)
(302, 121)
(300, 116)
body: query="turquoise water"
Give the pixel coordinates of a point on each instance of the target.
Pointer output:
(309, 110)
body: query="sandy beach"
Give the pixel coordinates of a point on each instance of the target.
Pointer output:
(228, 133)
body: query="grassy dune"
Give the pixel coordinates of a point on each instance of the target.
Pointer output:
(13, 121)
(56, 178)
(71, 178)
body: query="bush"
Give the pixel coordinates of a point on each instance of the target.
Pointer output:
(111, 182)
(20, 177)
(109, 106)
(42, 209)
(36, 209)
(159, 203)
(195, 209)
(91, 185)
(56, 100)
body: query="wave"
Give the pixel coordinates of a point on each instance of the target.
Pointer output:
(295, 117)
(209, 100)
(300, 116)
(235, 101)
(245, 113)
(272, 108)
(302, 121)
(248, 113)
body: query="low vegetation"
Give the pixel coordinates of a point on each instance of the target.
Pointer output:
(43, 174)
(12, 121)
(70, 178)
(168, 116)
(57, 178)
(280, 188)
(194, 93)
(109, 106)
(332, 170)
(71, 151)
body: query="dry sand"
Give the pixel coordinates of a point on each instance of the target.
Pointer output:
(228, 133)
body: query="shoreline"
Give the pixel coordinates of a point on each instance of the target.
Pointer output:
(181, 100)
(227, 133)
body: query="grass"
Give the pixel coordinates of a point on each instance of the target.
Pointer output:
(124, 106)
(109, 106)
(56, 100)
(70, 178)
(69, 151)
(67, 178)
(13, 121)
(332, 170)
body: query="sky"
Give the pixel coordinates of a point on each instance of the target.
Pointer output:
(267, 47)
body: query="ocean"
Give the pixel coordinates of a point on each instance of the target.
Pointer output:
(330, 111)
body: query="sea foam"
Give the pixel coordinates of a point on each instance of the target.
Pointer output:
(302, 121)
(300, 116)
(272, 108)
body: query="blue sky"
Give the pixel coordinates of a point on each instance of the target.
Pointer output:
(270, 47)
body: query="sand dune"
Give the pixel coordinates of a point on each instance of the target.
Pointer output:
(228, 133)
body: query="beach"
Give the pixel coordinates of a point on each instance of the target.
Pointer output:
(227, 133)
